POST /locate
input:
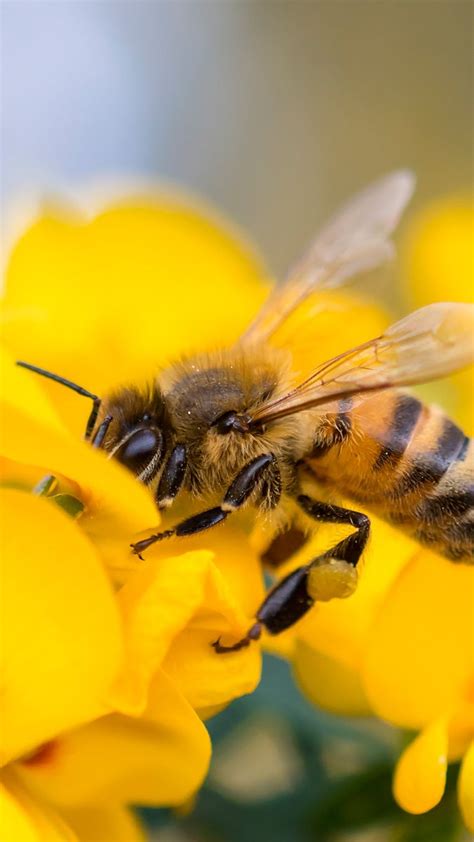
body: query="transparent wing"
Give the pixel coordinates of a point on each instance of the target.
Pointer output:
(355, 240)
(429, 343)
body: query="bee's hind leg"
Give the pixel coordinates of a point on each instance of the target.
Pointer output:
(330, 575)
(351, 548)
(281, 608)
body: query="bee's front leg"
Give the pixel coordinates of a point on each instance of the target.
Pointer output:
(238, 492)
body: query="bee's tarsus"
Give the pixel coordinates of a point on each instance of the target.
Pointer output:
(253, 634)
(140, 546)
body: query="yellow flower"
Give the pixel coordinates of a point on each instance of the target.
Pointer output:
(107, 670)
(108, 658)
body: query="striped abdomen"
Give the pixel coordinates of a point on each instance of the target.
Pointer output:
(406, 461)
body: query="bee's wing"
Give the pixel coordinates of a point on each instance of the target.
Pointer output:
(356, 239)
(431, 342)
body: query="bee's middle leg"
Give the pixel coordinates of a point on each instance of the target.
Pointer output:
(238, 492)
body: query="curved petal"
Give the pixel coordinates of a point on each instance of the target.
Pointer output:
(313, 333)
(96, 300)
(25, 819)
(105, 823)
(420, 776)
(157, 602)
(438, 257)
(233, 591)
(173, 608)
(461, 725)
(61, 635)
(466, 788)
(328, 683)
(141, 761)
(206, 679)
(413, 684)
(439, 253)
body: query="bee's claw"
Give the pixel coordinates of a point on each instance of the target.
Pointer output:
(136, 551)
(252, 634)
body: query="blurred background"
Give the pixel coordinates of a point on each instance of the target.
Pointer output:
(274, 111)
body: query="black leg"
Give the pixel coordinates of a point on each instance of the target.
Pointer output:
(172, 478)
(101, 431)
(96, 402)
(351, 548)
(331, 574)
(236, 495)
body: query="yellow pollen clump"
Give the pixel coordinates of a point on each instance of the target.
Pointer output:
(331, 578)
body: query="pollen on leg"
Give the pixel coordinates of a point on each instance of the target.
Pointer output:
(331, 578)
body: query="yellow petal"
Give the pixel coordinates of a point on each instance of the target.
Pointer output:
(461, 725)
(97, 300)
(160, 759)
(22, 388)
(156, 603)
(438, 258)
(313, 334)
(233, 591)
(420, 651)
(439, 253)
(24, 818)
(328, 683)
(177, 606)
(420, 776)
(466, 788)
(206, 679)
(105, 823)
(61, 638)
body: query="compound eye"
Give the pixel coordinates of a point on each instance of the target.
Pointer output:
(140, 449)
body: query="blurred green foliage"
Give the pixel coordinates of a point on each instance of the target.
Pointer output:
(282, 771)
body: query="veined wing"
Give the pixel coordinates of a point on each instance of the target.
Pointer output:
(356, 239)
(430, 343)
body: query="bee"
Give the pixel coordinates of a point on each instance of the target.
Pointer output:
(234, 425)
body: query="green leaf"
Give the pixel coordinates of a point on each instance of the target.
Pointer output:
(69, 503)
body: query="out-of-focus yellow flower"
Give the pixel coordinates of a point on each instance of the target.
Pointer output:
(403, 646)
(438, 261)
(106, 657)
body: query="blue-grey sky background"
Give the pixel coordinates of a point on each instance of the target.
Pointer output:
(273, 110)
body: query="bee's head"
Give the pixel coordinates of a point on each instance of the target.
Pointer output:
(138, 430)
(131, 425)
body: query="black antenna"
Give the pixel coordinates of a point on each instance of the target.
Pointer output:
(69, 385)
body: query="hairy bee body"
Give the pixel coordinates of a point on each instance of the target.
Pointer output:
(394, 455)
(405, 461)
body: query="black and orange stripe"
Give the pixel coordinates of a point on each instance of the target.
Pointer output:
(406, 461)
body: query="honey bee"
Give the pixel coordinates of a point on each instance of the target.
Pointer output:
(234, 425)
